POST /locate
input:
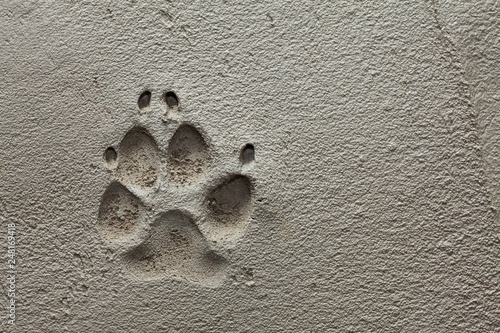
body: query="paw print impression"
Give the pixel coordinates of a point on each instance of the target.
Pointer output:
(119, 213)
(137, 162)
(176, 247)
(228, 208)
(187, 155)
(143, 217)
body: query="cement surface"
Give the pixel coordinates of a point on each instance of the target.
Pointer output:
(367, 199)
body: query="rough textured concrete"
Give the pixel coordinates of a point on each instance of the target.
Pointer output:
(365, 201)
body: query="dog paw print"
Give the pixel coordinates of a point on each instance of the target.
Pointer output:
(159, 214)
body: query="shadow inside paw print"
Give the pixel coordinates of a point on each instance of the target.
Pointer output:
(157, 240)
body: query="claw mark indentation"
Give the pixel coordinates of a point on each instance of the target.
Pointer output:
(144, 101)
(170, 98)
(171, 102)
(110, 157)
(247, 154)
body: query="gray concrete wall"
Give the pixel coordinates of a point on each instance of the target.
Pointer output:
(320, 166)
